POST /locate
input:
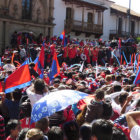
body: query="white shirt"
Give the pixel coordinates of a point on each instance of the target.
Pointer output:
(116, 83)
(135, 133)
(117, 107)
(9, 67)
(34, 97)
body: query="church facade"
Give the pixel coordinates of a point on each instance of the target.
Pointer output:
(34, 16)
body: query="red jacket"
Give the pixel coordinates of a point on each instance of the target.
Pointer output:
(94, 55)
(66, 52)
(72, 53)
(86, 52)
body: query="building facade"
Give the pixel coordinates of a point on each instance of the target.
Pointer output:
(118, 24)
(94, 19)
(80, 18)
(25, 16)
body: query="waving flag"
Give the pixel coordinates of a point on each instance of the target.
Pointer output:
(119, 46)
(125, 58)
(54, 102)
(55, 69)
(36, 64)
(1, 86)
(41, 59)
(82, 103)
(19, 79)
(62, 36)
(116, 58)
(137, 78)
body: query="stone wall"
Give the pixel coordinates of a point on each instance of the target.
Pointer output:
(11, 19)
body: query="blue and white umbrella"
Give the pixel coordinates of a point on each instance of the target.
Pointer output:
(54, 102)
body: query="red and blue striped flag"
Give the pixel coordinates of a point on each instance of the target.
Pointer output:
(55, 68)
(62, 36)
(40, 67)
(137, 78)
(19, 79)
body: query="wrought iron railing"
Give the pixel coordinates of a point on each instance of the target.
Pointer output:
(86, 27)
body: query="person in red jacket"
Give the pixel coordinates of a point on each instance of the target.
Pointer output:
(52, 48)
(81, 43)
(94, 56)
(14, 128)
(66, 54)
(86, 52)
(19, 39)
(73, 53)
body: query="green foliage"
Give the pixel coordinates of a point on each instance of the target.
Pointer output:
(138, 39)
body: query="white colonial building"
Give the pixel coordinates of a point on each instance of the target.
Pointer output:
(117, 23)
(94, 19)
(80, 18)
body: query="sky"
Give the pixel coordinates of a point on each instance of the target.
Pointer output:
(135, 4)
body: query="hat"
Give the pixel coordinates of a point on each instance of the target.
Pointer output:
(125, 80)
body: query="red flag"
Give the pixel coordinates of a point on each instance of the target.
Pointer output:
(119, 43)
(132, 60)
(138, 62)
(121, 59)
(55, 68)
(13, 58)
(19, 79)
(137, 78)
(82, 103)
(41, 62)
(124, 62)
(62, 36)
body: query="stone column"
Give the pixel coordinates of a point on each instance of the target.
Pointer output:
(93, 16)
(3, 36)
(116, 24)
(7, 35)
(82, 18)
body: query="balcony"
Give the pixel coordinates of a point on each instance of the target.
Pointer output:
(122, 33)
(115, 33)
(83, 27)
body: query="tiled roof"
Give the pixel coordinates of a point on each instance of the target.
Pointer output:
(124, 10)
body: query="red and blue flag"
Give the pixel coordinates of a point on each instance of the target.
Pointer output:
(62, 36)
(55, 68)
(40, 67)
(137, 78)
(19, 79)
(36, 64)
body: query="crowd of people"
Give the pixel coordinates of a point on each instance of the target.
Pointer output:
(112, 110)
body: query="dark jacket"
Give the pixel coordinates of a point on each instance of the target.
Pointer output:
(94, 111)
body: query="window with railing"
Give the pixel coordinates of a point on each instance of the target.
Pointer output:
(68, 13)
(120, 25)
(90, 18)
(26, 9)
(99, 17)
